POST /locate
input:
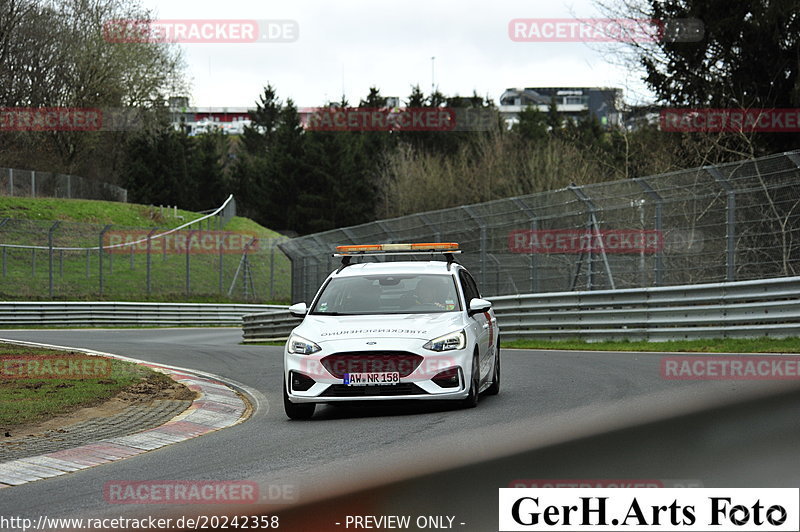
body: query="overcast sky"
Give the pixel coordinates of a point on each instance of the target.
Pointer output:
(350, 45)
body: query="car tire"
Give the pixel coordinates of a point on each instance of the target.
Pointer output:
(297, 410)
(494, 388)
(471, 401)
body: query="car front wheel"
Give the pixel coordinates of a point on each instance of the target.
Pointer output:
(471, 401)
(494, 388)
(297, 410)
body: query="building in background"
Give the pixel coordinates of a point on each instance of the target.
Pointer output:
(197, 120)
(571, 102)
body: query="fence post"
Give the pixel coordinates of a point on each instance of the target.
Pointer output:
(149, 244)
(659, 262)
(249, 285)
(484, 243)
(533, 258)
(437, 236)
(221, 253)
(188, 276)
(595, 230)
(323, 250)
(100, 254)
(10, 181)
(4, 222)
(50, 254)
(730, 222)
(33, 183)
(272, 271)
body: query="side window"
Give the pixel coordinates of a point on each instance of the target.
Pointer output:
(473, 284)
(470, 289)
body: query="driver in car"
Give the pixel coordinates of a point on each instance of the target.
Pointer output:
(431, 292)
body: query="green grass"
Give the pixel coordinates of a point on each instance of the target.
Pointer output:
(76, 274)
(246, 225)
(722, 345)
(24, 401)
(91, 211)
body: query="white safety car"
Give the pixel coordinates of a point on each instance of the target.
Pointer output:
(392, 331)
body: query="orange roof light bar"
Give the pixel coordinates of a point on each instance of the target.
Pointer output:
(358, 249)
(384, 248)
(438, 246)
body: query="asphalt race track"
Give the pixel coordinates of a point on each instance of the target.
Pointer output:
(547, 398)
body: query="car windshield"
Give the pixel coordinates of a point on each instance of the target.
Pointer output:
(388, 294)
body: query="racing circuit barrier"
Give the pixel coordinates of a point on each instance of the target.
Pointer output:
(745, 309)
(274, 325)
(101, 313)
(731, 222)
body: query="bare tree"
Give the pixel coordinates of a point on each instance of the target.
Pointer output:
(56, 54)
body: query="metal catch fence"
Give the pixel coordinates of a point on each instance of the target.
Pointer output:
(730, 222)
(35, 184)
(199, 260)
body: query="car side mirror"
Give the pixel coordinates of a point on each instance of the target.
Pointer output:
(478, 305)
(298, 310)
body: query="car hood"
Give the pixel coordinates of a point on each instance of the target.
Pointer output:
(422, 326)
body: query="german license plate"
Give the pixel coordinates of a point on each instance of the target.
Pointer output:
(371, 379)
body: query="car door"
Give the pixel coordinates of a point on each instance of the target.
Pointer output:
(481, 323)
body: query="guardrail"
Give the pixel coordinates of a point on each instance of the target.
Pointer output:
(92, 314)
(268, 326)
(745, 309)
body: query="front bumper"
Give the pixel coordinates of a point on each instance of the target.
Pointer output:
(416, 385)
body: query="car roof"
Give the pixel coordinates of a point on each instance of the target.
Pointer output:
(396, 267)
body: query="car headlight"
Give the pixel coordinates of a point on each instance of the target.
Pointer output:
(300, 346)
(448, 342)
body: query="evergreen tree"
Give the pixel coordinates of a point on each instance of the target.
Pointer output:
(532, 125)
(746, 58)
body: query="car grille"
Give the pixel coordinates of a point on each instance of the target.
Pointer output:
(340, 390)
(371, 362)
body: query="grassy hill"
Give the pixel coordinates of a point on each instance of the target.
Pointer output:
(263, 277)
(111, 212)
